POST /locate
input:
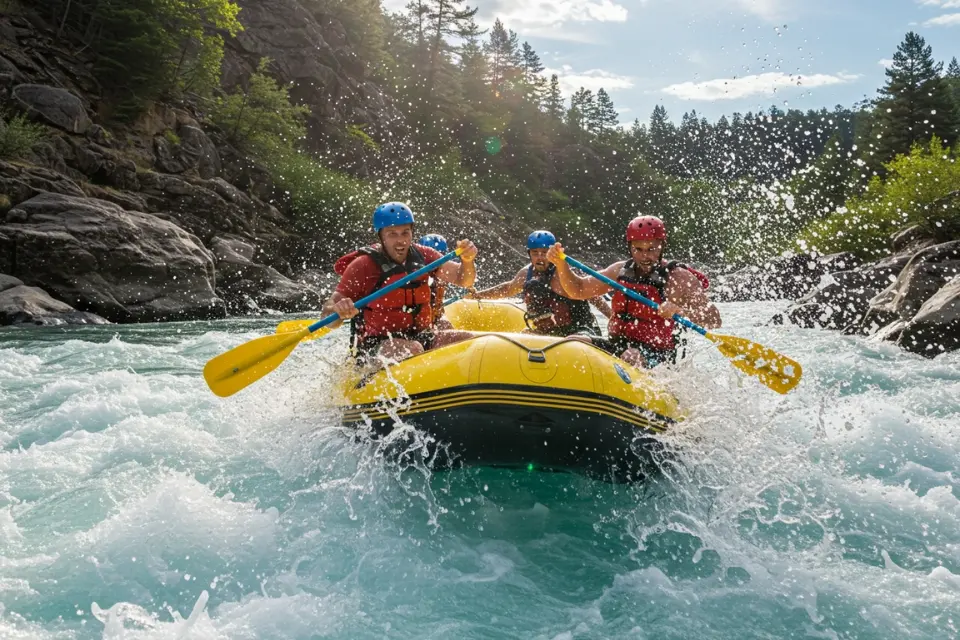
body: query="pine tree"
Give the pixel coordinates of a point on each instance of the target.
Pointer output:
(446, 19)
(606, 114)
(532, 68)
(503, 55)
(662, 140)
(953, 81)
(473, 74)
(915, 103)
(553, 102)
(582, 113)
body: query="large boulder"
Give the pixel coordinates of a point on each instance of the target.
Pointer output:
(926, 273)
(57, 106)
(789, 277)
(123, 265)
(21, 305)
(249, 286)
(842, 299)
(936, 326)
(19, 183)
(190, 151)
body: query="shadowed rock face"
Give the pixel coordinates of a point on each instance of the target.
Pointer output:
(20, 305)
(55, 106)
(936, 326)
(125, 266)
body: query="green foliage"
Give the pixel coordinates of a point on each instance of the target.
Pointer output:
(914, 181)
(260, 119)
(151, 49)
(357, 131)
(172, 137)
(324, 200)
(18, 136)
(433, 185)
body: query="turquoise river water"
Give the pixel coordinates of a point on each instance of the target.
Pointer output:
(135, 504)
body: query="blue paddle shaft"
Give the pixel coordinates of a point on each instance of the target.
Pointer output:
(362, 302)
(633, 294)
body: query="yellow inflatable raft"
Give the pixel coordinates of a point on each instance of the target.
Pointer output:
(519, 400)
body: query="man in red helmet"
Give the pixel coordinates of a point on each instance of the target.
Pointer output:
(638, 334)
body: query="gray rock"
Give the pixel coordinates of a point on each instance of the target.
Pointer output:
(124, 266)
(193, 153)
(936, 326)
(246, 285)
(925, 273)
(31, 305)
(8, 282)
(57, 106)
(194, 143)
(106, 166)
(788, 278)
(911, 239)
(232, 250)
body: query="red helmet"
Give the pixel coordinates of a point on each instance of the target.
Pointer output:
(646, 228)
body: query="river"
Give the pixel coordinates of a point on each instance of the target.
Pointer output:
(136, 504)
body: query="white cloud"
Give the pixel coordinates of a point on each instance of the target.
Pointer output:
(946, 20)
(592, 79)
(543, 16)
(945, 4)
(886, 63)
(770, 10)
(761, 84)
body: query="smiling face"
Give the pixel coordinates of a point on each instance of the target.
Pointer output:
(646, 254)
(538, 258)
(396, 241)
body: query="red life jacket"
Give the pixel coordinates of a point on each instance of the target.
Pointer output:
(635, 320)
(406, 310)
(550, 313)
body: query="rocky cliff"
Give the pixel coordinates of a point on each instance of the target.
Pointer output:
(160, 218)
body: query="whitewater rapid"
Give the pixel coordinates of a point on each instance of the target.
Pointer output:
(136, 504)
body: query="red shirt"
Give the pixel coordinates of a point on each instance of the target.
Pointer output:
(361, 275)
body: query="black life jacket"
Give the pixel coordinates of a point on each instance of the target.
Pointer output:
(550, 313)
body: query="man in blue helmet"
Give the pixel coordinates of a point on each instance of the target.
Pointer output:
(549, 311)
(438, 287)
(399, 324)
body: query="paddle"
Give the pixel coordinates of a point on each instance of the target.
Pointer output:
(777, 371)
(241, 366)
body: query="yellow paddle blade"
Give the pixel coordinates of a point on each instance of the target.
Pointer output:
(241, 366)
(289, 326)
(775, 370)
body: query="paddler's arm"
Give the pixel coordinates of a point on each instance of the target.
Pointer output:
(465, 273)
(507, 289)
(573, 285)
(340, 305)
(685, 295)
(602, 306)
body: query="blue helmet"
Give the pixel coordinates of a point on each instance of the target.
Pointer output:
(541, 240)
(391, 214)
(434, 241)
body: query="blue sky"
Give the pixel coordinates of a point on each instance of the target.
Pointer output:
(721, 56)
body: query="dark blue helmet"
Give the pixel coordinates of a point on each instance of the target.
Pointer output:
(541, 240)
(391, 214)
(434, 241)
